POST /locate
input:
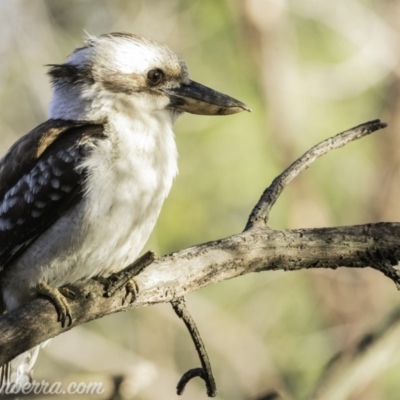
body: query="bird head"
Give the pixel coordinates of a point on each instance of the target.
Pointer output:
(121, 69)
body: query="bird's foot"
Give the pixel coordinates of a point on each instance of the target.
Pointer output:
(114, 282)
(132, 289)
(125, 278)
(59, 298)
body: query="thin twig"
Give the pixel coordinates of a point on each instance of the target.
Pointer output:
(179, 306)
(261, 211)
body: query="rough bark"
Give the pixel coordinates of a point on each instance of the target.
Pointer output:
(257, 249)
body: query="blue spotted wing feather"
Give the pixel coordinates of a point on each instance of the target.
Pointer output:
(40, 181)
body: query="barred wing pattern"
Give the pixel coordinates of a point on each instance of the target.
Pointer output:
(39, 181)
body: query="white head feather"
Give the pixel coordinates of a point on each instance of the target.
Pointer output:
(109, 72)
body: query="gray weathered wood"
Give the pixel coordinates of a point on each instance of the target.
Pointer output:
(177, 274)
(257, 249)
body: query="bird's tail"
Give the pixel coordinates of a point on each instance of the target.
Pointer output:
(19, 370)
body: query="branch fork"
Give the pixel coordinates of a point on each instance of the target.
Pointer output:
(257, 248)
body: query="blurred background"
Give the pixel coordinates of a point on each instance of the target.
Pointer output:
(308, 69)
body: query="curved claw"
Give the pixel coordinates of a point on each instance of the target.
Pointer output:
(132, 289)
(58, 297)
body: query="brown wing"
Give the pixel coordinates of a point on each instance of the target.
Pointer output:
(39, 181)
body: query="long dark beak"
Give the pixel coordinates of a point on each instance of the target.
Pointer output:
(195, 98)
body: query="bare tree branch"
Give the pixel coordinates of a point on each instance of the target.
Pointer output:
(261, 211)
(177, 274)
(256, 249)
(205, 372)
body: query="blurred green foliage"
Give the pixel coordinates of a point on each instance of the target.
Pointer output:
(308, 69)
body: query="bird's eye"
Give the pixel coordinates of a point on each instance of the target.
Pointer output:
(155, 76)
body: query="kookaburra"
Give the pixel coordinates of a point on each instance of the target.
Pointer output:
(80, 193)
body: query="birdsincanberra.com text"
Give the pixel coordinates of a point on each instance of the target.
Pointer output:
(53, 388)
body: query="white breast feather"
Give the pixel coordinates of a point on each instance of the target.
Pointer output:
(129, 175)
